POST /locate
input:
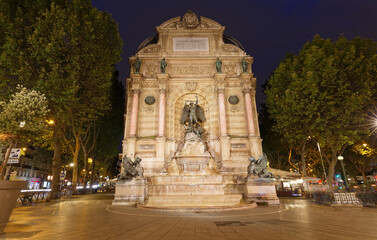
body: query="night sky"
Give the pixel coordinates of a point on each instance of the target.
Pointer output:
(268, 29)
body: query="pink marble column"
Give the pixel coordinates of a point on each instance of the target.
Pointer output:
(161, 114)
(222, 113)
(134, 112)
(249, 113)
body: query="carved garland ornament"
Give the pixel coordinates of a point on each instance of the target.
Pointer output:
(191, 86)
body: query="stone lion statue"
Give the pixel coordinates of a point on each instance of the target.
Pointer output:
(258, 167)
(131, 169)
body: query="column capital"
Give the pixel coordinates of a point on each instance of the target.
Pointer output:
(220, 90)
(135, 91)
(246, 90)
(220, 82)
(162, 90)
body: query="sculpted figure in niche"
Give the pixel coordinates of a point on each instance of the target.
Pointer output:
(163, 65)
(131, 169)
(137, 64)
(244, 65)
(192, 116)
(218, 65)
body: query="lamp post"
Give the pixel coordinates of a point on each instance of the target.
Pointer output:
(341, 158)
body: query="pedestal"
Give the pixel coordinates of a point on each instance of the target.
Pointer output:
(129, 192)
(260, 190)
(9, 191)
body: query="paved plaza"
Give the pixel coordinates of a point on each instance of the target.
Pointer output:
(93, 217)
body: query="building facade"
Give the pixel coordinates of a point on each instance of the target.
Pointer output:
(203, 63)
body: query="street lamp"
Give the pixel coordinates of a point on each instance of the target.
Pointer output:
(341, 158)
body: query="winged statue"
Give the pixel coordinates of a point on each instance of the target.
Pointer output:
(192, 116)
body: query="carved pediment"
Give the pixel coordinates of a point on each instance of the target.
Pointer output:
(230, 48)
(190, 21)
(151, 49)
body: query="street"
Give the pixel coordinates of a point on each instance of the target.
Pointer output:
(93, 217)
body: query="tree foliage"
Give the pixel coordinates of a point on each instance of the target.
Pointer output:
(68, 52)
(323, 93)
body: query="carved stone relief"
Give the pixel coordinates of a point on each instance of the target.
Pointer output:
(151, 49)
(230, 69)
(149, 85)
(151, 69)
(191, 86)
(230, 48)
(191, 70)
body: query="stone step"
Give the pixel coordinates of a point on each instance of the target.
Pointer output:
(212, 179)
(186, 189)
(194, 201)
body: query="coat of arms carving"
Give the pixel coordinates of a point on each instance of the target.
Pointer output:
(190, 20)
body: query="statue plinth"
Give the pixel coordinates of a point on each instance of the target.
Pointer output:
(260, 190)
(130, 192)
(192, 158)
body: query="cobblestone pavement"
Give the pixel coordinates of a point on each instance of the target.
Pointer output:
(93, 217)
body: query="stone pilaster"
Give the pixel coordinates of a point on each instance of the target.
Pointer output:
(162, 84)
(129, 146)
(161, 140)
(135, 87)
(248, 88)
(220, 80)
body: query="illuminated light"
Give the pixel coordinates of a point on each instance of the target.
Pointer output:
(349, 179)
(100, 176)
(22, 124)
(90, 172)
(50, 122)
(24, 149)
(90, 160)
(83, 170)
(37, 190)
(94, 186)
(364, 144)
(340, 158)
(71, 164)
(69, 183)
(79, 187)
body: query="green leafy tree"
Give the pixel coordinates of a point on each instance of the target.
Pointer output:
(322, 93)
(21, 118)
(70, 56)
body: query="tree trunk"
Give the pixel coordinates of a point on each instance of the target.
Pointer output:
(92, 176)
(5, 162)
(364, 177)
(303, 160)
(330, 176)
(86, 172)
(56, 164)
(75, 166)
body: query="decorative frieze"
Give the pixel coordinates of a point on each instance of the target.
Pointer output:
(191, 70)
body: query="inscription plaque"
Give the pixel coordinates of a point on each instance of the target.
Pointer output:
(190, 44)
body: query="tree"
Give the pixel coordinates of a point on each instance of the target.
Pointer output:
(70, 56)
(362, 155)
(21, 118)
(322, 93)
